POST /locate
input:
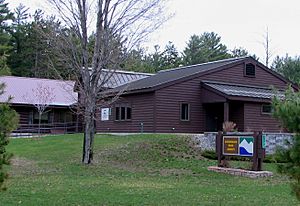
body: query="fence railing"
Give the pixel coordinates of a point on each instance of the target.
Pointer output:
(47, 128)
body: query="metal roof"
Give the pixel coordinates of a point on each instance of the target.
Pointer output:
(120, 77)
(23, 91)
(244, 90)
(170, 75)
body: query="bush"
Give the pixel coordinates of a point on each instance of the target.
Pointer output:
(209, 154)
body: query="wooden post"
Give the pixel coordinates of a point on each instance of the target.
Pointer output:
(219, 146)
(226, 112)
(258, 152)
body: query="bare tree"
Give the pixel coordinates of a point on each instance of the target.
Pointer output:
(266, 43)
(119, 26)
(41, 97)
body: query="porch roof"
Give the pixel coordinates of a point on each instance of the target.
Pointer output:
(235, 91)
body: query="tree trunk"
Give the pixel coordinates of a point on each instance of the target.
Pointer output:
(39, 132)
(89, 134)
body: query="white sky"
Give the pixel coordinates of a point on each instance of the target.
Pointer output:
(238, 22)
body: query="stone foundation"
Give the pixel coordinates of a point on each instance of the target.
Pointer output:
(241, 172)
(207, 141)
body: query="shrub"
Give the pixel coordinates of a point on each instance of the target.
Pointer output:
(229, 126)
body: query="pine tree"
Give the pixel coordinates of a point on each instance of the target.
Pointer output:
(170, 57)
(8, 122)
(288, 112)
(5, 16)
(288, 66)
(18, 60)
(204, 48)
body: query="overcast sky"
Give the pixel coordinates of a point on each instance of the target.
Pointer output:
(239, 23)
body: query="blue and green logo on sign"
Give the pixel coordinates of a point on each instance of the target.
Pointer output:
(246, 146)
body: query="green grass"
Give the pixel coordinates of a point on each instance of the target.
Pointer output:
(129, 170)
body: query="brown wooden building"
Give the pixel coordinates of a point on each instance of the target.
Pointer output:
(60, 115)
(26, 92)
(197, 98)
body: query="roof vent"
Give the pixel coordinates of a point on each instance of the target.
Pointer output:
(250, 70)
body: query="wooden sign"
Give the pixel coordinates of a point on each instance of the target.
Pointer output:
(230, 145)
(238, 145)
(245, 145)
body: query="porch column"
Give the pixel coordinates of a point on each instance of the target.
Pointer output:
(226, 111)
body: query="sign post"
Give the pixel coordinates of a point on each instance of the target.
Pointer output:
(242, 145)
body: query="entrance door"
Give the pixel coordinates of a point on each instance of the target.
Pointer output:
(214, 116)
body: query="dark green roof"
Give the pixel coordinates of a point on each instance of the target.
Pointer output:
(166, 76)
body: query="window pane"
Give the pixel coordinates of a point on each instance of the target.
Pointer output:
(69, 117)
(117, 113)
(128, 114)
(30, 118)
(266, 109)
(184, 112)
(61, 116)
(44, 117)
(123, 111)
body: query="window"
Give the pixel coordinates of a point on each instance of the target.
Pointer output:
(117, 113)
(64, 116)
(44, 118)
(184, 112)
(266, 109)
(122, 113)
(128, 113)
(250, 70)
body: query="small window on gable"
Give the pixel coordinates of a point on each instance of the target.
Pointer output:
(250, 70)
(184, 112)
(266, 109)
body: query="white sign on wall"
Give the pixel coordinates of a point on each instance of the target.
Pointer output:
(104, 114)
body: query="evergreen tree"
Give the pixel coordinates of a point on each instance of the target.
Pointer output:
(8, 122)
(137, 60)
(239, 52)
(32, 54)
(156, 59)
(192, 54)
(204, 48)
(288, 112)
(5, 16)
(4, 69)
(170, 57)
(18, 60)
(288, 66)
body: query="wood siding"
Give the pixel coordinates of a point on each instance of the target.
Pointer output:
(236, 75)
(23, 113)
(160, 110)
(168, 102)
(256, 121)
(142, 106)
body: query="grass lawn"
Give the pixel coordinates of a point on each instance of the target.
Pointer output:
(129, 170)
